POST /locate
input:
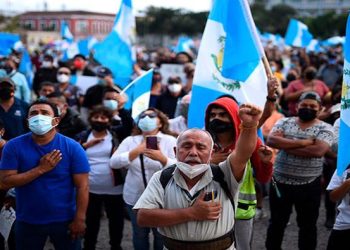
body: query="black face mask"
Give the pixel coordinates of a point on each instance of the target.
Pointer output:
(5, 93)
(306, 114)
(310, 75)
(291, 77)
(8, 69)
(99, 126)
(217, 126)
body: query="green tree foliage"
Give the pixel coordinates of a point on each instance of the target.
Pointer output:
(171, 22)
(9, 24)
(276, 21)
(327, 25)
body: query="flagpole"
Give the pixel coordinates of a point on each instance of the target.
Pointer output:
(267, 66)
(257, 38)
(127, 87)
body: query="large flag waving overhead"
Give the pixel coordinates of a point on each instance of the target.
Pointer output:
(229, 60)
(344, 131)
(297, 34)
(115, 51)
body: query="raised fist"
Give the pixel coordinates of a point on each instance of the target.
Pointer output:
(249, 115)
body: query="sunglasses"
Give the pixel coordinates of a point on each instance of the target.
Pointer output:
(150, 115)
(63, 73)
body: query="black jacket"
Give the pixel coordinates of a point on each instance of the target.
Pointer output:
(44, 75)
(167, 103)
(122, 128)
(71, 124)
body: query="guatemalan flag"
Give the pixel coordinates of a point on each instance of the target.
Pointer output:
(297, 34)
(115, 51)
(184, 44)
(139, 92)
(65, 32)
(344, 131)
(229, 60)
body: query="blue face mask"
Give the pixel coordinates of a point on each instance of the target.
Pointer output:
(102, 82)
(40, 124)
(111, 104)
(147, 124)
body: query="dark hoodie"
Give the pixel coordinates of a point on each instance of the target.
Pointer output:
(263, 172)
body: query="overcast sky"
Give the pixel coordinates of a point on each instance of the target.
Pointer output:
(108, 6)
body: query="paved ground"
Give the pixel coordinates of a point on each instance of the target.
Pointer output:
(289, 243)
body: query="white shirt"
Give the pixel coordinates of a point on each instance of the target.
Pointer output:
(342, 222)
(178, 124)
(134, 186)
(100, 175)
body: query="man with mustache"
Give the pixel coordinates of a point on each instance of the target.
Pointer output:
(195, 207)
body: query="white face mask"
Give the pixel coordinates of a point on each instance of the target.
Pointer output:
(62, 78)
(46, 64)
(175, 88)
(192, 171)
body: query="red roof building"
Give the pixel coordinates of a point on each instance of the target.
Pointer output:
(81, 23)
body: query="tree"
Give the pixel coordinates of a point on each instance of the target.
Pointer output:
(279, 17)
(171, 22)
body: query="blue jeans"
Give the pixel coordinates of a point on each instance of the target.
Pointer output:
(140, 235)
(34, 236)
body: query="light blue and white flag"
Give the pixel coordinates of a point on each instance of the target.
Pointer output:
(7, 41)
(139, 92)
(297, 34)
(65, 32)
(184, 44)
(229, 60)
(333, 41)
(344, 131)
(115, 51)
(314, 46)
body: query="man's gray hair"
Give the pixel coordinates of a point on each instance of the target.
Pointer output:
(194, 130)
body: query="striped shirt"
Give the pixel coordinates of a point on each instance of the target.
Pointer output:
(296, 170)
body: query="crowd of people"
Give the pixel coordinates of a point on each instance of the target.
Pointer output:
(67, 155)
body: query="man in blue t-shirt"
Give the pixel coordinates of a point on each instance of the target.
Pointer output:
(50, 174)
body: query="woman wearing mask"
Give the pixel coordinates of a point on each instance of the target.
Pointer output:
(142, 163)
(308, 83)
(100, 143)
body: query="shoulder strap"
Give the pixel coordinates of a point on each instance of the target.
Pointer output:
(218, 176)
(84, 136)
(143, 170)
(166, 175)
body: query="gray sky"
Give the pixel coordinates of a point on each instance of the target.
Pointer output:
(108, 6)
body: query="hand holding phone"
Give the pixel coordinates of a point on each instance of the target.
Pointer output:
(152, 142)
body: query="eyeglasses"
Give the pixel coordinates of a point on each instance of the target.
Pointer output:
(63, 73)
(150, 115)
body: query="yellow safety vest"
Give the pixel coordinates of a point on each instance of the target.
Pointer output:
(247, 196)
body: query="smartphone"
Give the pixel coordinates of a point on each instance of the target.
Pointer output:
(210, 196)
(152, 142)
